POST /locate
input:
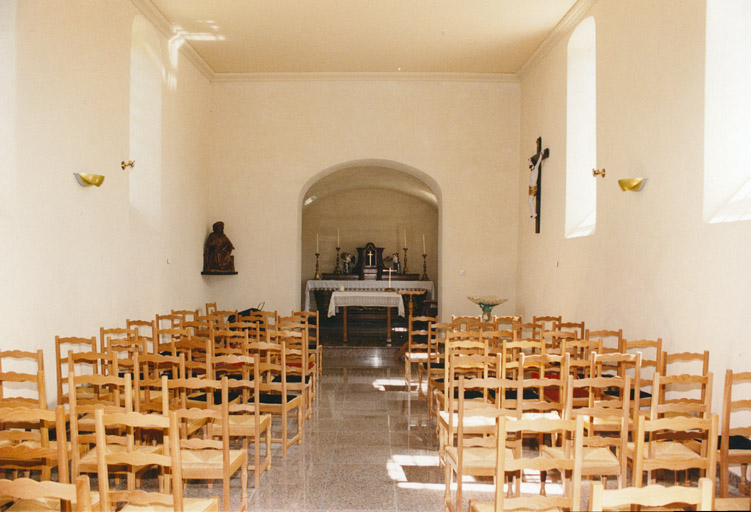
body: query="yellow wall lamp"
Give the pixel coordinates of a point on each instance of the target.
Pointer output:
(87, 180)
(632, 184)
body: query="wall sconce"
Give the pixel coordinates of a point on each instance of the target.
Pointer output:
(129, 163)
(87, 180)
(600, 172)
(632, 184)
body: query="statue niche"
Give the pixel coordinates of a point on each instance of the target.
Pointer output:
(217, 253)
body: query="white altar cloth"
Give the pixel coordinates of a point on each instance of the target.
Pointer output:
(367, 299)
(330, 284)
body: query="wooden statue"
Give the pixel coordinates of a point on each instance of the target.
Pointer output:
(217, 252)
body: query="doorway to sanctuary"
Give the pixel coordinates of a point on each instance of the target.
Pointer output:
(369, 252)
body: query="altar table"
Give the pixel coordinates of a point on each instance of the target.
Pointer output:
(367, 299)
(330, 284)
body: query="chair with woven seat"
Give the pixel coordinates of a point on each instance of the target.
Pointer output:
(245, 418)
(106, 336)
(145, 329)
(167, 458)
(735, 446)
(15, 384)
(418, 336)
(46, 495)
(64, 344)
(205, 457)
(575, 327)
(275, 398)
(300, 370)
(669, 497)
(568, 464)
(554, 339)
(433, 368)
(466, 323)
(502, 323)
(651, 363)
(311, 319)
(475, 424)
(611, 340)
(546, 323)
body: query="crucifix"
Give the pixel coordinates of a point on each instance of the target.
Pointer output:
(370, 258)
(535, 182)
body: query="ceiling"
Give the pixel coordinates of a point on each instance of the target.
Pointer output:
(354, 36)
(370, 177)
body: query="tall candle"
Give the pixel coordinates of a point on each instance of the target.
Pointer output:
(337, 238)
(423, 244)
(405, 238)
(317, 243)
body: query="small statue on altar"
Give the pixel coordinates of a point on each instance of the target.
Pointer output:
(395, 264)
(346, 263)
(217, 252)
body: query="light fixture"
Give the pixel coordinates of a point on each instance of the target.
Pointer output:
(598, 172)
(87, 180)
(632, 184)
(129, 163)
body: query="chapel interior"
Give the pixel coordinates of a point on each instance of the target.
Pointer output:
(313, 129)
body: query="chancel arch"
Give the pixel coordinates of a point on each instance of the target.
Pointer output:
(378, 202)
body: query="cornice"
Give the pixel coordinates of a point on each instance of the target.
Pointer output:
(367, 77)
(155, 16)
(572, 18)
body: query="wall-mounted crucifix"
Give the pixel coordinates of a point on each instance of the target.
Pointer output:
(535, 182)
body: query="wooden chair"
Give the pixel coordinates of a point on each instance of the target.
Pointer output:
(418, 336)
(659, 445)
(496, 339)
(626, 365)
(540, 386)
(145, 329)
(62, 346)
(300, 369)
(575, 327)
(653, 496)
(466, 323)
(554, 339)
(546, 323)
(651, 362)
(699, 405)
(167, 459)
(189, 315)
(245, 418)
(526, 331)
(311, 319)
(207, 458)
(611, 340)
(475, 425)
(735, 446)
(211, 308)
(14, 382)
(107, 335)
(502, 323)
(434, 367)
(274, 397)
(266, 319)
(684, 363)
(569, 465)
(47, 495)
(606, 420)
(29, 447)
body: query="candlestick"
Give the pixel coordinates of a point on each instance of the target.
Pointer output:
(317, 250)
(423, 244)
(405, 269)
(337, 238)
(317, 275)
(337, 270)
(424, 268)
(405, 238)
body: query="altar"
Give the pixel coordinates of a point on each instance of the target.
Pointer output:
(380, 299)
(332, 285)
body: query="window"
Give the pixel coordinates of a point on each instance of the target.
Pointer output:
(727, 119)
(7, 106)
(145, 181)
(581, 131)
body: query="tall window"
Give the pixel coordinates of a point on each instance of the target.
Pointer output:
(7, 106)
(145, 122)
(581, 131)
(727, 119)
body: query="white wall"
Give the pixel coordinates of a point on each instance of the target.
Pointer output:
(72, 262)
(274, 139)
(652, 267)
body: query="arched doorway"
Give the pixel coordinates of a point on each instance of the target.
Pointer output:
(377, 202)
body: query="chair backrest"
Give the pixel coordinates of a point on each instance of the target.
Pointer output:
(554, 339)
(625, 364)
(147, 379)
(540, 384)
(12, 382)
(546, 323)
(652, 496)
(501, 323)
(145, 329)
(25, 442)
(611, 340)
(418, 333)
(189, 315)
(466, 323)
(526, 331)
(168, 459)
(736, 427)
(570, 432)
(580, 349)
(107, 335)
(575, 327)
(697, 431)
(28, 489)
(496, 339)
(700, 404)
(692, 363)
(311, 318)
(62, 346)
(210, 308)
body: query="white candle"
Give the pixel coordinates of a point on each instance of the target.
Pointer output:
(317, 243)
(337, 238)
(405, 238)
(423, 244)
